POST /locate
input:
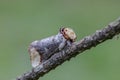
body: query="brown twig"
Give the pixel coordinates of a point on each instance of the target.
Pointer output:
(78, 47)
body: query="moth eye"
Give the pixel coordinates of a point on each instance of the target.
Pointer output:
(62, 30)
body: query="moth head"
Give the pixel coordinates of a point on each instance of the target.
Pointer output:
(68, 33)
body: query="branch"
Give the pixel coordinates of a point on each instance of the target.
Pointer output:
(86, 43)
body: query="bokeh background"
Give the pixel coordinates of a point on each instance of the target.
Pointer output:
(23, 21)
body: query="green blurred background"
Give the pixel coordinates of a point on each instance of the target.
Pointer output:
(23, 21)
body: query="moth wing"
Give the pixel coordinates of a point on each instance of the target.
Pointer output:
(34, 57)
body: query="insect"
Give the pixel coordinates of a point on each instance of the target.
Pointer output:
(42, 50)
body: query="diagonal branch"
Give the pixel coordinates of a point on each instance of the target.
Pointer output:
(86, 43)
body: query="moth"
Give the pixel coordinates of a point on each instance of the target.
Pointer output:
(42, 50)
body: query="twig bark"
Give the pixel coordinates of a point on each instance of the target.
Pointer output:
(86, 43)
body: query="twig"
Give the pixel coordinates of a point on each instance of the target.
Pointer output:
(86, 43)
